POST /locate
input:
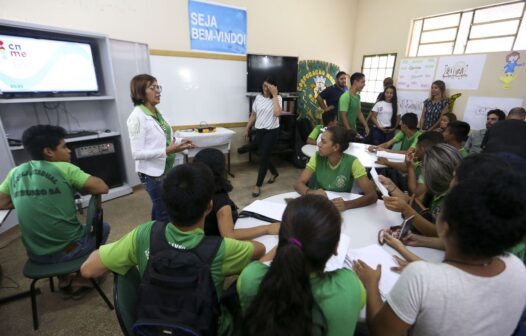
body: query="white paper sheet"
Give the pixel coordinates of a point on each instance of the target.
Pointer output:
(379, 185)
(391, 156)
(338, 261)
(3, 215)
(268, 209)
(346, 196)
(373, 255)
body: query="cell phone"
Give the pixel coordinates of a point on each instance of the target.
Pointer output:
(407, 224)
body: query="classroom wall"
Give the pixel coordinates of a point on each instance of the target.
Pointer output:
(306, 28)
(383, 26)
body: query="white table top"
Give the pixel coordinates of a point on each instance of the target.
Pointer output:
(361, 225)
(357, 149)
(219, 139)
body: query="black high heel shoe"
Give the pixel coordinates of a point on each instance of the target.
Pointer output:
(272, 179)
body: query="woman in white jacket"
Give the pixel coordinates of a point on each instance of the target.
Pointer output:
(152, 143)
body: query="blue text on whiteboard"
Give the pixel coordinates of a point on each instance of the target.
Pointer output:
(217, 28)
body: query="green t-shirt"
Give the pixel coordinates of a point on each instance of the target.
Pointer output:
(133, 249)
(42, 193)
(463, 152)
(316, 131)
(406, 141)
(350, 104)
(337, 178)
(436, 204)
(339, 294)
(418, 172)
(170, 158)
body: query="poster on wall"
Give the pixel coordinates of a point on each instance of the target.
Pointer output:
(217, 28)
(461, 72)
(512, 61)
(411, 101)
(416, 73)
(478, 107)
(313, 77)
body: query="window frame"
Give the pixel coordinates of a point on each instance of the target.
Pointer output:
(394, 54)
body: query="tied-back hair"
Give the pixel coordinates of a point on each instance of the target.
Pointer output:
(215, 160)
(341, 136)
(394, 103)
(284, 305)
(439, 165)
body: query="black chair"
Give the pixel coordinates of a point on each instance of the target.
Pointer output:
(41, 271)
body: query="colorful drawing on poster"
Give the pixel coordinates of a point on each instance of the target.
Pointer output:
(462, 72)
(512, 61)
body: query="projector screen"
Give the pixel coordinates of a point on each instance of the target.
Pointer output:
(40, 65)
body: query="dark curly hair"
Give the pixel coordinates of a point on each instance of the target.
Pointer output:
(486, 215)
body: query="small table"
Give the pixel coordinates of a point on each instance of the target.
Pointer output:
(220, 139)
(367, 159)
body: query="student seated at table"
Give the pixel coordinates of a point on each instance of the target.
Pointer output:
(222, 218)
(329, 119)
(407, 137)
(439, 165)
(456, 134)
(330, 169)
(478, 289)
(187, 193)
(445, 119)
(42, 192)
(294, 296)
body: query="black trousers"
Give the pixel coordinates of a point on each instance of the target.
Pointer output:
(265, 141)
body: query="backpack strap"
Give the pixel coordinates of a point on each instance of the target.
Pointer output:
(158, 240)
(207, 248)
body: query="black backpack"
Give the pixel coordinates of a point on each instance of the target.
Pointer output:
(177, 295)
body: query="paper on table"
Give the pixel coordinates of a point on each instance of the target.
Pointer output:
(379, 185)
(337, 261)
(346, 196)
(373, 255)
(267, 209)
(391, 156)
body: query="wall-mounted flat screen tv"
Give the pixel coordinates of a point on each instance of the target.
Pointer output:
(283, 69)
(46, 66)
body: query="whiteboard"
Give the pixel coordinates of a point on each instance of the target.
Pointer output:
(199, 89)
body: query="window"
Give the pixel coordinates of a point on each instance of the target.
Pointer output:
(499, 27)
(376, 68)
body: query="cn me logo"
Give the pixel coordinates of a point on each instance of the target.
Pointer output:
(14, 50)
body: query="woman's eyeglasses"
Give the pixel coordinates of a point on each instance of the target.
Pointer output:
(156, 88)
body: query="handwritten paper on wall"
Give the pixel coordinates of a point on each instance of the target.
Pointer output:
(416, 73)
(478, 107)
(461, 72)
(411, 101)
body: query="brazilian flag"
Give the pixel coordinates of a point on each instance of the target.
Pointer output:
(313, 77)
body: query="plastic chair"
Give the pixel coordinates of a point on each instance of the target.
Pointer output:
(41, 271)
(125, 297)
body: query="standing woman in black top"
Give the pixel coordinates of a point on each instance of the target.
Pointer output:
(223, 215)
(266, 110)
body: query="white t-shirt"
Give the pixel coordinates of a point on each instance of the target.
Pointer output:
(440, 299)
(385, 111)
(264, 108)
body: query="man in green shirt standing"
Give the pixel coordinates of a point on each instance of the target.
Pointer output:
(350, 106)
(42, 192)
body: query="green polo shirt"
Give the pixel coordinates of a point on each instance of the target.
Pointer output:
(339, 177)
(316, 131)
(350, 104)
(406, 142)
(42, 193)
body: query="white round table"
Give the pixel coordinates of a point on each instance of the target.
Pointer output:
(361, 225)
(357, 149)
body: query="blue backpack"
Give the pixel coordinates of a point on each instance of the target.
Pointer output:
(177, 295)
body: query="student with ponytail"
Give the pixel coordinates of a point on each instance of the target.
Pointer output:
(294, 296)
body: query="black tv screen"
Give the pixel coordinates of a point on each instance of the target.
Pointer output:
(33, 64)
(283, 69)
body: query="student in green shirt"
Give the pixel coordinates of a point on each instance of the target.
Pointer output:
(456, 133)
(294, 296)
(42, 192)
(329, 119)
(408, 136)
(333, 170)
(439, 165)
(349, 106)
(187, 192)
